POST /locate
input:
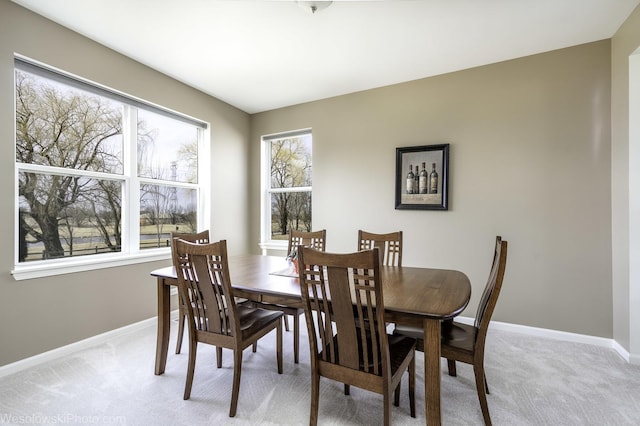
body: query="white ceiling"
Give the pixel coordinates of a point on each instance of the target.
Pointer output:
(261, 55)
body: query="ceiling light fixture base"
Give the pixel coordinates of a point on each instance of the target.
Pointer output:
(314, 6)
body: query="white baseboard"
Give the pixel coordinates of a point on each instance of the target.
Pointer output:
(560, 335)
(625, 354)
(151, 322)
(60, 352)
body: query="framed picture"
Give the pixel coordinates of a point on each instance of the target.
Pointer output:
(422, 175)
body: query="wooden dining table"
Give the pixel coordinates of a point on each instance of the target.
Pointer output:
(414, 296)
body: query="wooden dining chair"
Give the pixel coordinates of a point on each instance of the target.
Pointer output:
(465, 343)
(201, 237)
(317, 240)
(348, 341)
(389, 245)
(213, 317)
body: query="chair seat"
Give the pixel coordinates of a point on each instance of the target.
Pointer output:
(255, 319)
(399, 349)
(288, 310)
(454, 334)
(459, 336)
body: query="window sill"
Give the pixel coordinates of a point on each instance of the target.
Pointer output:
(68, 266)
(273, 245)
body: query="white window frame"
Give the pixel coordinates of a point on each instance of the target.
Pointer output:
(266, 242)
(130, 252)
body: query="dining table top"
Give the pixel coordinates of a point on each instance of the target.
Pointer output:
(408, 291)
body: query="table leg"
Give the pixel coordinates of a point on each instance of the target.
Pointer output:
(432, 371)
(164, 323)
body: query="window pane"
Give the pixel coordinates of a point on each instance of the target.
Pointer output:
(290, 210)
(167, 148)
(76, 153)
(164, 209)
(291, 162)
(63, 216)
(61, 126)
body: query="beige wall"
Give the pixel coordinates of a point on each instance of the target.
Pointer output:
(530, 160)
(538, 155)
(41, 314)
(626, 328)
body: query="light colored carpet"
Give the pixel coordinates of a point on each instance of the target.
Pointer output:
(533, 381)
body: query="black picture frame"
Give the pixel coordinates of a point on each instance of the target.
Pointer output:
(432, 156)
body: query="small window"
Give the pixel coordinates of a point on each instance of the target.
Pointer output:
(98, 173)
(286, 186)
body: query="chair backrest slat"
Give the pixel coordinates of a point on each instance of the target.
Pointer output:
(201, 237)
(389, 246)
(203, 281)
(313, 239)
(491, 291)
(344, 308)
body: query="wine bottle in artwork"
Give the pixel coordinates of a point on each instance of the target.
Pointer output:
(424, 179)
(416, 181)
(410, 180)
(433, 180)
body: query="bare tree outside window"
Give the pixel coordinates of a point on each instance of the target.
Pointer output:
(290, 185)
(169, 150)
(68, 130)
(164, 209)
(70, 148)
(169, 154)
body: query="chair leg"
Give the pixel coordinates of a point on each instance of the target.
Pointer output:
(478, 371)
(315, 398)
(181, 318)
(296, 338)
(193, 347)
(396, 395)
(237, 370)
(486, 385)
(219, 356)
(255, 346)
(387, 405)
(451, 364)
(279, 347)
(286, 322)
(412, 387)
(347, 389)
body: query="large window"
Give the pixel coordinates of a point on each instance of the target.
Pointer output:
(286, 186)
(99, 174)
